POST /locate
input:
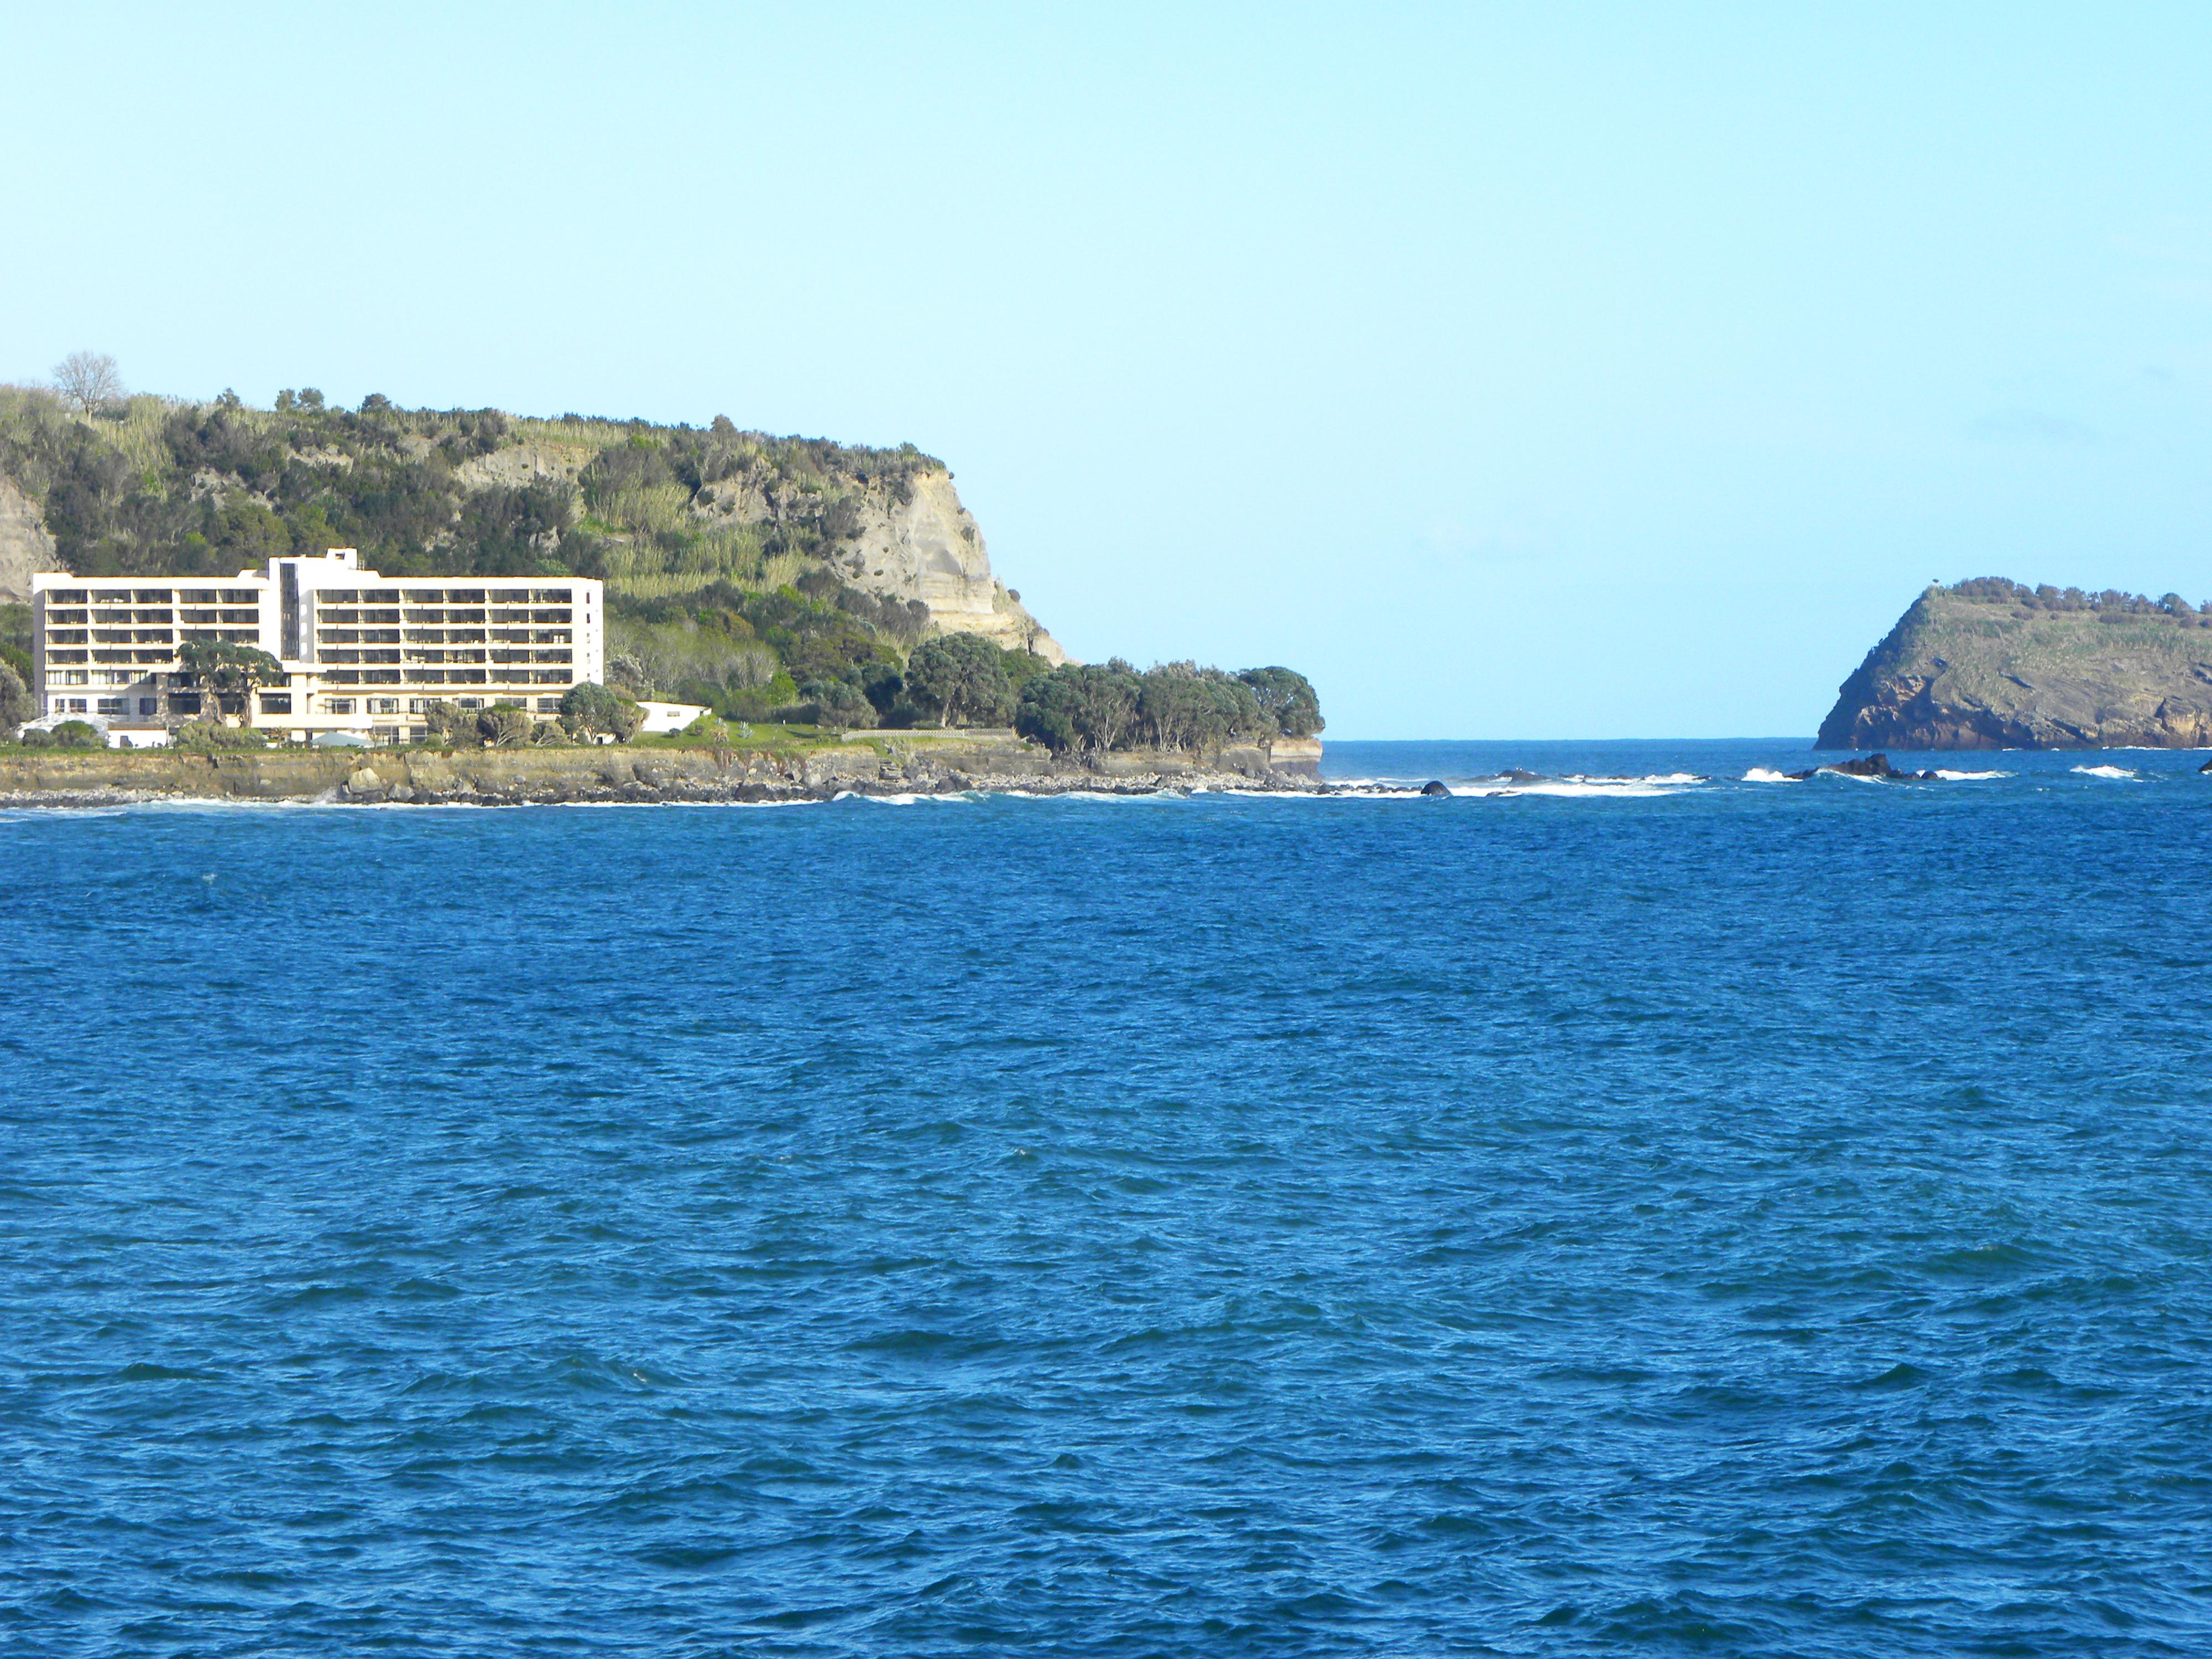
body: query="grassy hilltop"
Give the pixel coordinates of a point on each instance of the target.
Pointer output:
(165, 487)
(1991, 664)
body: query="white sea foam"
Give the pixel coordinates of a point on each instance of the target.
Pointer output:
(1767, 774)
(2104, 771)
(1573, 789)
(1969, 777)
(962, 797)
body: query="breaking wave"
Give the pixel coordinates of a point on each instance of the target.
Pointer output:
(2105, 772)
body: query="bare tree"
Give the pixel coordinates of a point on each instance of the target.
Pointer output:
(87, 381)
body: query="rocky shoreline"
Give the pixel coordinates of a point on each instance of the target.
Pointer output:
(520, 777)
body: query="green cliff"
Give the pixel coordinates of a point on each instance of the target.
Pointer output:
(659, 511)
(1989, 663)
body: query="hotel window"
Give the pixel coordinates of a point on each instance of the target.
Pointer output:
(276, 702)
(337, 705)
(549, 705)
(384, 705)
(149, 706)
(113, 705)
(73, 705)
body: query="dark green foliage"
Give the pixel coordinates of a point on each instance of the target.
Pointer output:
(2111, 606)
(1082, 710)
(78, 734)
(1180, 706)
(15, 639)
(959, 679)
(1185, 706)
(208, 734)
(1287, 699)
(228, 670)
(504, 727)
(1022, 667)
(839, 706)
(747, 655)
(884, 687)
(17, 703)
(388, 481)
(449, 722)
(590, 710)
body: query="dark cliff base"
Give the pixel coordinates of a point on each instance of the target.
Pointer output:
(515, 777)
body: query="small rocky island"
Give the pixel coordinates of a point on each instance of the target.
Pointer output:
(1991, 664)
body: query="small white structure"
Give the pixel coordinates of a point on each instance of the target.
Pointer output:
(669, 716)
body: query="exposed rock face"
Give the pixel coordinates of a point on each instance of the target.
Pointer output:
(1963, 670)
(907, 540)
(25, 547)
(929, 548)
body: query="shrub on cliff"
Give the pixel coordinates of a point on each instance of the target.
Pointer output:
(505, 726)
(839, 706)
(78, 734)
(594, 710)
(16, 704)
(1287, 698)
(208, 735)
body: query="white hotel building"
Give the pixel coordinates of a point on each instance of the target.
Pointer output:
(361, 653)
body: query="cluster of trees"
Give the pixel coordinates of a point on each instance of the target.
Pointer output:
(16, 703)
(2110, 603)
(390, 481)
(758, 655)
(588, 712)
(69, 734)
(1101, 707)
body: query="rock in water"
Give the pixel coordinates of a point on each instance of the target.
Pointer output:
(1433, 787)
(1988, 663)
(1872, 766)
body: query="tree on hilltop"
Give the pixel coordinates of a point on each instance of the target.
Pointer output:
(88, 381)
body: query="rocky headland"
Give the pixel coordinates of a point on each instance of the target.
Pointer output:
(1989, 663)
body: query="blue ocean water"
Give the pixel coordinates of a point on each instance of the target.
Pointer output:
(1722, 1217)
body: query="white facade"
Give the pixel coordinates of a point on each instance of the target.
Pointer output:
(360, 653)
(668, 716)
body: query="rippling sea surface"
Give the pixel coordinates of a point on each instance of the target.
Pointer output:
(1728, 1216)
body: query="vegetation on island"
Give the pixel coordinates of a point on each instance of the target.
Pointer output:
(2110, 606)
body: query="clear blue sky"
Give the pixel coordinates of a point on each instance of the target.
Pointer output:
(1534, 371)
